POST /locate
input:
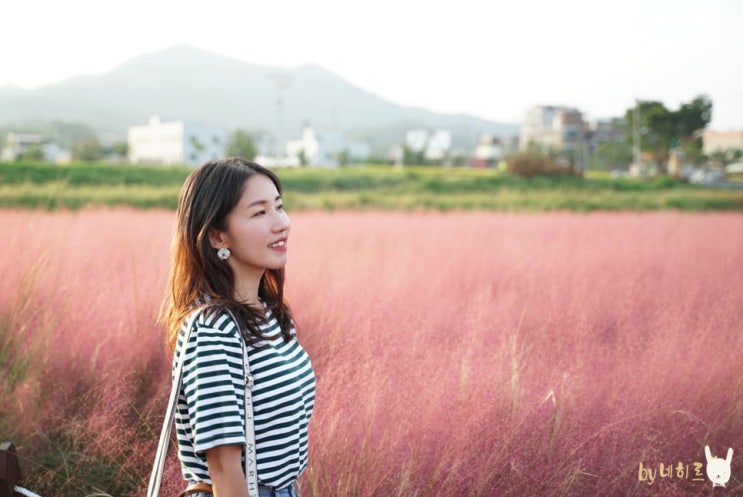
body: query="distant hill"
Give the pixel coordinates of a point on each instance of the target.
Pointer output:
(186, 83)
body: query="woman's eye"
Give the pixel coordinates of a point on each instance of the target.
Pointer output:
(280, 207)
(259, 213)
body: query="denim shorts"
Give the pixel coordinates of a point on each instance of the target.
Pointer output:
(290, 491)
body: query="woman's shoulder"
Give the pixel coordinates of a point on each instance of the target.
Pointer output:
(213, 339)
(218, 318)
(211, 322)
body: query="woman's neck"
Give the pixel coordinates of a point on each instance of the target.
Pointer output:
(246, 291)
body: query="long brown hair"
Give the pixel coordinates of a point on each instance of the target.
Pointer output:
(197, 275)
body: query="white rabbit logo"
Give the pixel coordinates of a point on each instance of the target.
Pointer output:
(718, 469)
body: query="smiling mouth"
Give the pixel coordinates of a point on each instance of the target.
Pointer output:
(280, 243)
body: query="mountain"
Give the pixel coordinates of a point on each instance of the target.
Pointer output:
(186, 83)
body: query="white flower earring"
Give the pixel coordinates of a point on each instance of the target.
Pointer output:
(224, 253)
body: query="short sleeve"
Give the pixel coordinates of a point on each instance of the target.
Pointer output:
(212, 386)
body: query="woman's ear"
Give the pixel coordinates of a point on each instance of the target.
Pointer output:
(216, 238)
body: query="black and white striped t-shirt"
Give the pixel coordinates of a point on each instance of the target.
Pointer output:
(210, 410)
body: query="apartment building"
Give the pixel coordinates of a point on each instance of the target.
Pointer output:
(174, 142)
(552, 127)
(721, 141)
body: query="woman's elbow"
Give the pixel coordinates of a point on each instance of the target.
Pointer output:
(222, 461)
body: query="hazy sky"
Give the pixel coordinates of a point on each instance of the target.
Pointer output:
(487, 58)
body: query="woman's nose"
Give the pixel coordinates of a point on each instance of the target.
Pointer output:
(282, 222)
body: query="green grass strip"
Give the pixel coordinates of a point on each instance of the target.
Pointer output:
(46, 186)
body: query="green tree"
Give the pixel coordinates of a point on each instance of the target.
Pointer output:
(662, 129)
(119, 148)
(33, 152)
(302, 156)
(87, 149)
(692, 151)
(241, 144)
(196, 144)
(693, 117)
(412, 157)
(344, 157)
(725, 157)
(611, 155)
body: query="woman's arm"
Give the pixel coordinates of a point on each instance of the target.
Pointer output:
(226, 471)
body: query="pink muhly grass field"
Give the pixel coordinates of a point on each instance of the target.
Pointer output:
(472, 354)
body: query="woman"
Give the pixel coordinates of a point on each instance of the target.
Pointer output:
(228, 257)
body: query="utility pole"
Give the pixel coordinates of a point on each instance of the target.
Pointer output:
(281, 82)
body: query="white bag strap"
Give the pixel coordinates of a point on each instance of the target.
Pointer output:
(251, 469)
(251, 463)
(156, 478)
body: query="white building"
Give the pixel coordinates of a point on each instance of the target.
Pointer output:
(18, 144)
(54, 153)
(416, 139)
(439, 145)
(435, 146)
(318, 148)
(175, 142)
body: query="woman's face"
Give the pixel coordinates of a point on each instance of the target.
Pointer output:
(257, 230)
